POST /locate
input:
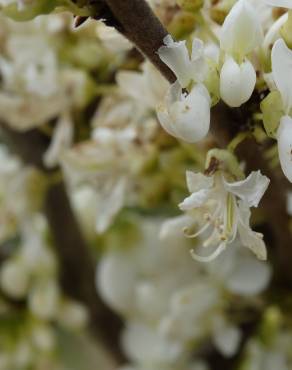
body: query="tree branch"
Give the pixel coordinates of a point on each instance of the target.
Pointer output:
(143, 28)
(77, 271)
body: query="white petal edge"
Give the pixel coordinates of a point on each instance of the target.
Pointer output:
(198, 181)
(282, 71)
(176, 56)
(284, 136)
(251, 189)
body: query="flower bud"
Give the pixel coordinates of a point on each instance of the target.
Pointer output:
(72, 315)
(237, 82)
(186, 117)
(241, 31)
(14, 279)
(284, 136)
(44, 299)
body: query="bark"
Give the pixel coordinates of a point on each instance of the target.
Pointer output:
(77, 270)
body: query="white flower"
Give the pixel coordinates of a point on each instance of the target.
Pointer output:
(282, 75)
(14, 278)
(226, 337)
(186, 117)
(282, 72)
(241, 32)
(284, 136)
(72, 315)
(112, 39)
(225, 208)
(43, 337)
(176, 56)
(115, 280)
(239, 272)
(237, 82)
(61, 140)
(44, 299)
(144, 345)
(146, 88)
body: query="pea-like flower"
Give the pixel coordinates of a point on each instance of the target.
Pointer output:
(237, 82)
(241, 33)
(185, 115)
(282, 75)
(186, 68)
(224, 208)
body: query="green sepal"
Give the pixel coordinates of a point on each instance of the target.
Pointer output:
(272, 109)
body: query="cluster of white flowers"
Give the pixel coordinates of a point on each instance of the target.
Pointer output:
(168, 314)
(135, 150)
(28, 275)
(187, 115)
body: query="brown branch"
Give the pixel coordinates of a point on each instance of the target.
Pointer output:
(143, 28)
(77, 273)
(78, 270)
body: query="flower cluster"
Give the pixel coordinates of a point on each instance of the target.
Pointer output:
(147, 182)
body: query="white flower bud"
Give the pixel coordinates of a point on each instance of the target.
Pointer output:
(44, 299)
(72, 315)
(186, 117)
(241, 31)
(237, 82)
(43, 337)
(284, 136)
(115, 280)
(14, 279)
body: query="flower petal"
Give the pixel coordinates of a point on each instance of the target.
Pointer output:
(62, 139)
(251, 189)
(198, 181)
(191, 115)
(176, 56)
(175, 226)
(282, 71)
(284, 135)
(241, 31)
(198, 62)
(111, 201)
(226, 338)
(249, 238)
(237, 82)
(186, 117)
(195, 200)
(249, 276)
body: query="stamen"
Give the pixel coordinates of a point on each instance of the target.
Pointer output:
(204, 228)
(211, 257)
